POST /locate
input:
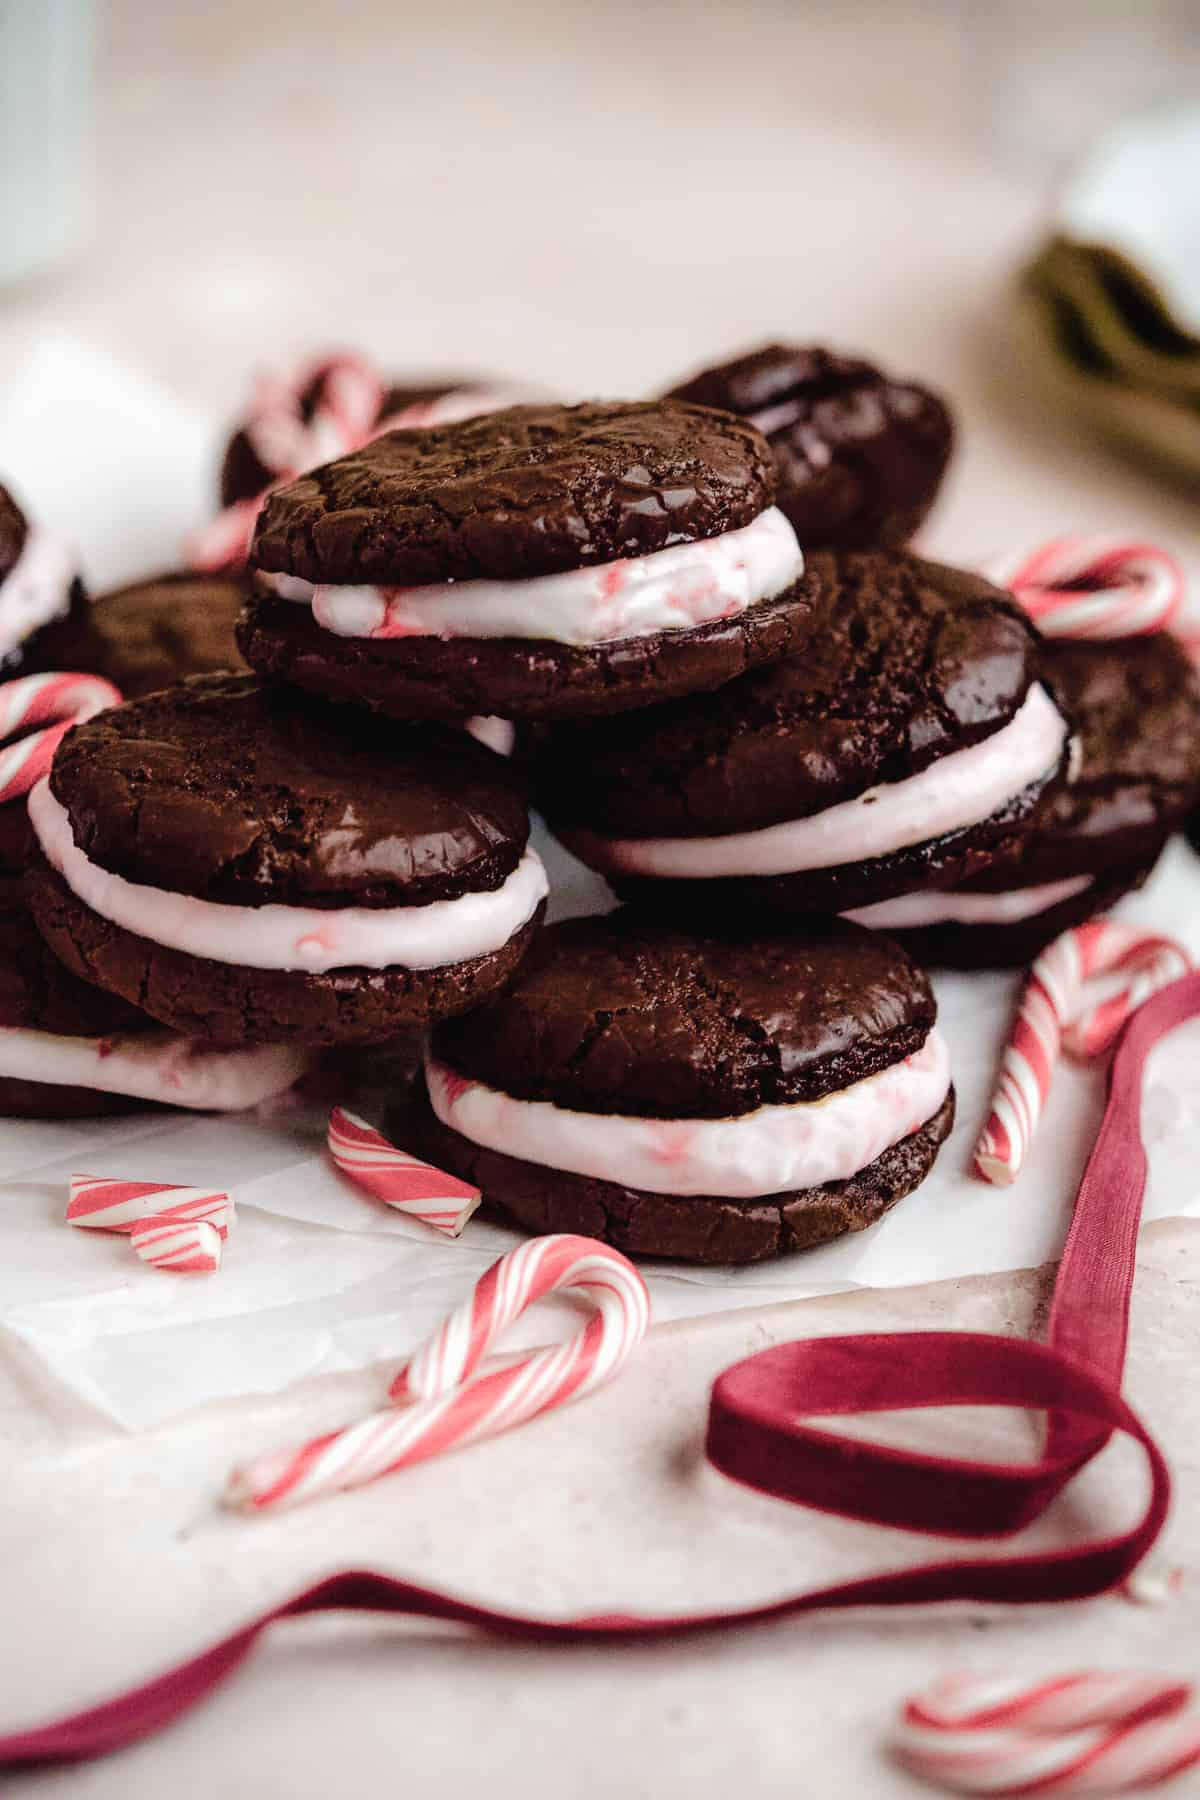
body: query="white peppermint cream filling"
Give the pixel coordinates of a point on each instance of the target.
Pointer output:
(910, 911)
(495, 733)
(153, 1065)
(774, 1150)
(669, 590)
(306, 939)
(956, 791)
(36, 589)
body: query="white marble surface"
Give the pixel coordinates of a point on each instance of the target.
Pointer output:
(599, 197)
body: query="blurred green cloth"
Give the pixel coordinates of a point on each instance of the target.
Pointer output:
(1106, 326)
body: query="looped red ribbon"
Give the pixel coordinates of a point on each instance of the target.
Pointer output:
(758, 1434)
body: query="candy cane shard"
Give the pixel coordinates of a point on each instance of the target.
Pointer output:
(1052, 1014)
(401, 1181)
(452, 1404)
(1096, 1732)
(106, 1203)
(53, 702)
(185, 1246)
(1094, 587)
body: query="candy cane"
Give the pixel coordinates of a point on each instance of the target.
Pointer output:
(224, 543)
(34, 700)
(401, 1181)
(349, 402)
(1094, 587)
(348, 393)
(1051, 1015)
(452, 1404)
(185, 1246)
(1098, 1732)
(103, 1203)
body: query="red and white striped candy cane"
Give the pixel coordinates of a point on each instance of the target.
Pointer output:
(107, 1203)
(452, 1404)
(349, 394)
(1097, 1732)
(1094, 587)
(185, 1246)
(224, 542)
(1051, 1014)
(54, 702)
(401, 1181)
(350, 398)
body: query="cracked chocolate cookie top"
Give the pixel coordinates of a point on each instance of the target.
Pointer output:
(620, 1015)
(859, 456)
(226, 790)
(155, 632)
(905, 662)
(14, 528)
(531, 490)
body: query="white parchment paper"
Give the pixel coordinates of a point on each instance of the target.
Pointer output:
(319, 1278)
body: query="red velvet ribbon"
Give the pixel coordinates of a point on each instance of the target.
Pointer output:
(759, 1434)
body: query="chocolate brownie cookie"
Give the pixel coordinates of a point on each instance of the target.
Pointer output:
(545, 561)
(247, 868)
(259, 452)
(860, 456)
(693, 1096)
(155, 632)
(1135, 704)
(42, 598)
(904, 749)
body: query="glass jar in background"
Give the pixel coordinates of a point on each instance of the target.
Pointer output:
(47, 157)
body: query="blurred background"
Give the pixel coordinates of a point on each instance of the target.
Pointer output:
(600, 196)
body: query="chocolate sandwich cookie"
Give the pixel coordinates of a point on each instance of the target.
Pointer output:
(543, 562)
(860, 456)
(71, 1050)
(156, 632)
(1135, 705)
(710, 1099)
(903, 749)
(251, 868)
(296, 422)
(42, 598)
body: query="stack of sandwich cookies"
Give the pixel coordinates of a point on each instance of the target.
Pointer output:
(903, 750)
(717, 1100)
(859, 455)
(41, 594)
(248, 866)
(542, 562)
(1135, 707)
